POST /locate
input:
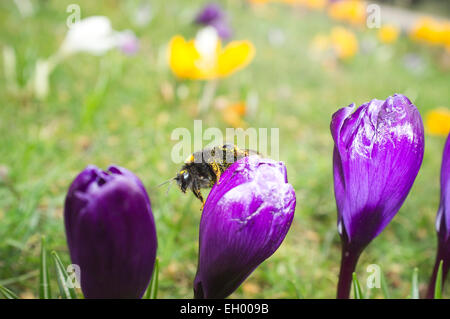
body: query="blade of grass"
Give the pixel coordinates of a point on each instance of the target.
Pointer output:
(384, 287)
(294, 288)
(44, 281)
(152, 290)
(438, 287)
(20, 278)
(62, 276)
(8, 294)
(94, 100)
(357, 293)
(415, 284)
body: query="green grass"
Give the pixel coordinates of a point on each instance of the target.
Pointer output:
(46, 143)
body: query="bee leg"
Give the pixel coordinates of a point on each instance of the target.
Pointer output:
(217, 172)
(198, 194)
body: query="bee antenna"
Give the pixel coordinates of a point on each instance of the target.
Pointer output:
(168, 181)
(168, 188)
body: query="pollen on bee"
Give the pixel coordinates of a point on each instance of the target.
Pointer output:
(190, 159)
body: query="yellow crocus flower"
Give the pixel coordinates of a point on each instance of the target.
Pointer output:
(257, 2)
(388, 34)
(320, 43)
(432, 31)
(352, 11)
(437, 121)
(316, 4)
(204, 58)
(344, 42)
(182, 57)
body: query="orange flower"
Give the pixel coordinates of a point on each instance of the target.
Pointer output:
(233, 114)
(437, 121)
(205, 59)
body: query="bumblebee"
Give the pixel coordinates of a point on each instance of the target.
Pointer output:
(203, 168)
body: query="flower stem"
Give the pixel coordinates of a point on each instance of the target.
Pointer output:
(209, 90)
(432, 285)
(348, 264)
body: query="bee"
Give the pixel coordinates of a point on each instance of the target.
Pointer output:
(203, 168)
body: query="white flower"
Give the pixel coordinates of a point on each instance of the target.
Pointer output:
(93, 35)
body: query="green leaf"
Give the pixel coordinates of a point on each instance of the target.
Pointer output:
(93, 101)
(62, 276)
(8, 294)
(384, 287)
(415, 284)
(357, 293)
(44, 281)
(438, 287)
(152, 290)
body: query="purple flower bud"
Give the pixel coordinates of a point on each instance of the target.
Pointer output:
(377, 155)
(245, 219)
(443, 222)
(213, 15)
(110, 232)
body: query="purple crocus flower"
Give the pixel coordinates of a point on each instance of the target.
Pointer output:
(213, 15)
(245, 219)
(377, 154)
(128, 43)
(209, 13)
(110, 232)
(443, 222)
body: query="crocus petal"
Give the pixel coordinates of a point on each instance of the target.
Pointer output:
(442, 224)
(207, 43)
(443, 215)
(245, 219)
(110, 232)
(235, 56)
(378, 152)
(182, 57)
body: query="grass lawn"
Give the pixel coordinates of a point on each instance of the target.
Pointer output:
(111, 109)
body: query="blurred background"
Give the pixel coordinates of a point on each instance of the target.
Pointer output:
(113, 92)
